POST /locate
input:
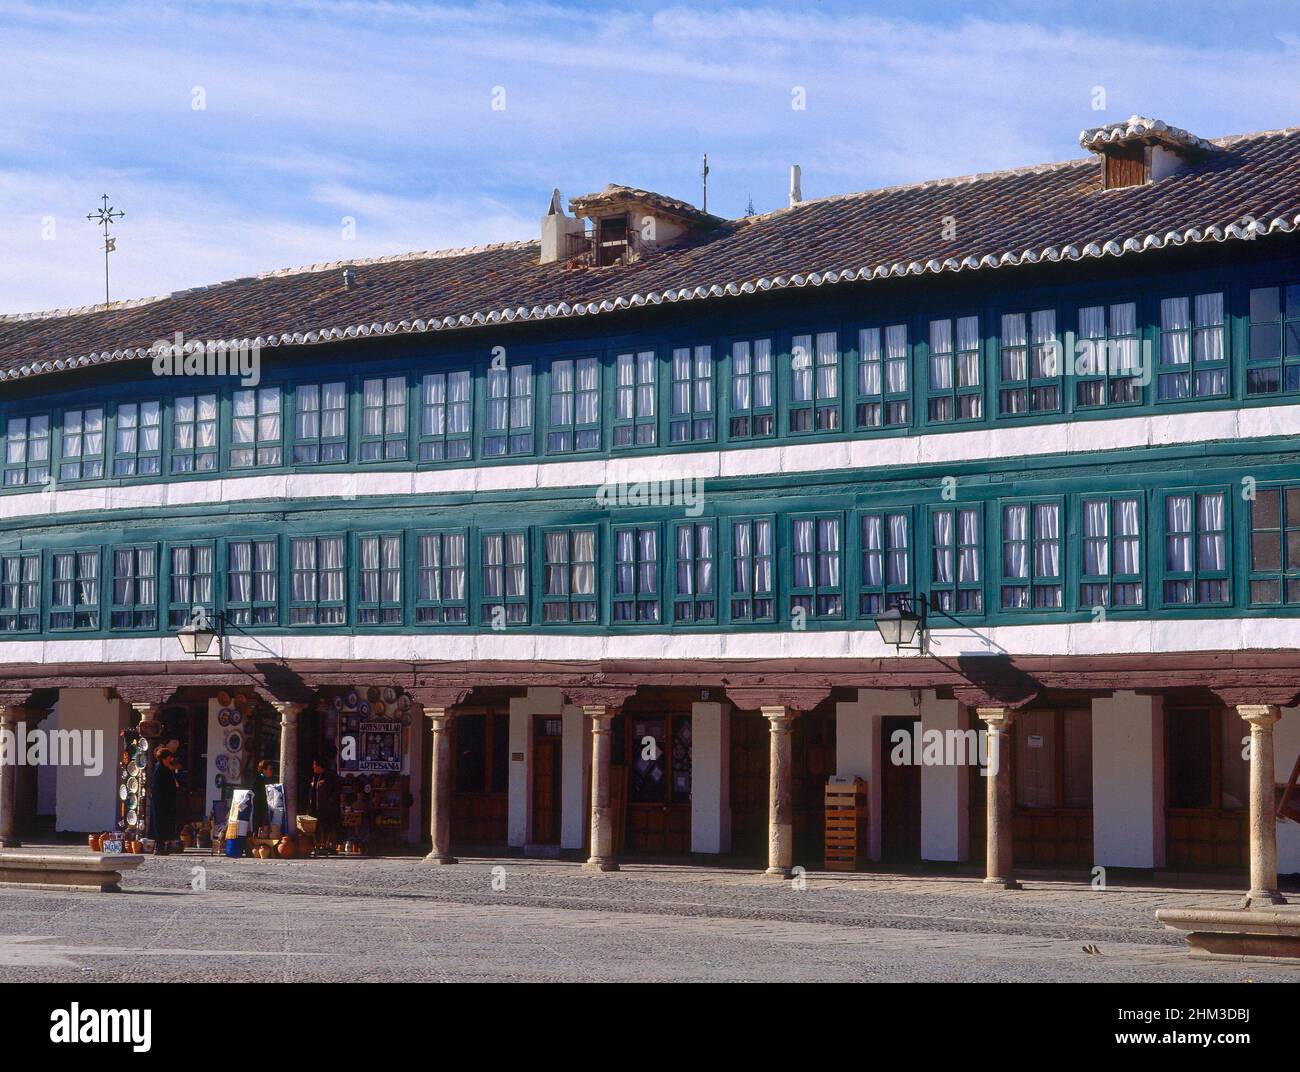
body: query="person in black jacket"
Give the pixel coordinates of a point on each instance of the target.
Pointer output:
(262, 777)
(163, 793)
(323, 799)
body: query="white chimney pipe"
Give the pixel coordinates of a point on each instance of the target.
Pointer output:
(796, 191)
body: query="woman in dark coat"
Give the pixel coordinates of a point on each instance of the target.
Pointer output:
(161, 826)
(262, 777)
(323, 799)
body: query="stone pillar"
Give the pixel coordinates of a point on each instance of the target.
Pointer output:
(1263, 819)
(780, 806)
(602, 816)
(10, 718)
(999, 865)
(440, 786)
(289, 714)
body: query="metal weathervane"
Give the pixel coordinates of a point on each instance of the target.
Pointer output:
(105, 216)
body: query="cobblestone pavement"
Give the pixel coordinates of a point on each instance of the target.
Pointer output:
(400, 919)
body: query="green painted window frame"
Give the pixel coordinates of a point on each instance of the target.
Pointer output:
(562, 603)
(514, 560)
(1036, 582)
(135, 576)
(28, 471)
(316, 609)
(890, 592)
(130, 456)
(434, 576)
(1273, 339)
(1114, 385)
(311, 445)
(1112, 582)
(750, 598)
(883, 349)
(565, 434)
(202, 459)
(1200, 575)
(265, 451)
(746, 419)
(20, 592)
(695, 574)
(517, 438)
(84, 615)
(948, 596)
(820, 411)
(641, 603)
(959, 396)
(1195, 332)
(78, 459)
(392, 441)
(181, 612)
(693, 404)
(1285, 529)
(437, 442)
(371, 612)
(820, 600)
(635, 421)
(1036, 346)
(255, 611)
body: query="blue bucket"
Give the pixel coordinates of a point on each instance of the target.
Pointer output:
(235, 846)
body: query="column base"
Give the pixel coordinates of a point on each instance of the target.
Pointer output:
(1263, 898)
(780, 872)
(1002, 884)
(440, 858)
(600, 863)
(11, 842)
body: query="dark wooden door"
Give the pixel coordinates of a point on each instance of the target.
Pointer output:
(546, 790)
(812, 753)
(900, 795)
(749, 774)
(1206, 778)
(480, 773)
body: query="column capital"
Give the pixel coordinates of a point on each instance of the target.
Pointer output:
(288, 710)
(1259, 715)
(439, 717)
(780, 719)
(997, 719)
(601, 715)
(12, 712)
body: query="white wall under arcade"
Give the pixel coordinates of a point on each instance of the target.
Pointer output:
(710, 778)
(83, 802)
(1128, 781)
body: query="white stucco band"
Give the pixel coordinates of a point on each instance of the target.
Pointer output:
(1066, 438)
(864, 642)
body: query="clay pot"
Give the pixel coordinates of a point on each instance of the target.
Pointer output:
(286, 848)
(93, 842)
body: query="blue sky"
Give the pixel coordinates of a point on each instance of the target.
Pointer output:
(317, 112)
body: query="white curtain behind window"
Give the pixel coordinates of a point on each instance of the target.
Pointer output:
(872, 551)
(1047, 550)
(898, 573)
(763, 557)
(968, 569)
(241, 577)
(1212, 543)
(1178, 544)
(802, 532)
(1015, 546)
(1096, 530)
(943, 547)
(1127, 543)
(584, 562)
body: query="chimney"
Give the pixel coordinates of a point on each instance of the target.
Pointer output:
(349, 277)
(1139, 150)
(557, 232)
(796, 188)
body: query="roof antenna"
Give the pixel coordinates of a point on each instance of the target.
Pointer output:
(106, 216)
(704, 174)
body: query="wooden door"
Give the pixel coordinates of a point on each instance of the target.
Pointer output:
(1205, 789)
(812, 753)
(900, 794)
(749, 774)
(1051, 769)
(547, 772)
(480, 772)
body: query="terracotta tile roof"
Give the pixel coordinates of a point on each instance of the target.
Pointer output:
(1250, 185)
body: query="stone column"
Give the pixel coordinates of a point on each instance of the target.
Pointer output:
(780, 806)
(440, 786)
(602, 815)
(289, 715)
(999, 865)
(1263, 819)
(10, 719)
(150, 726)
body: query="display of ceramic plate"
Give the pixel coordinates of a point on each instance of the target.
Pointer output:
(235, 768)
(363, 708)
(379, 707)
(390, 694)
(223, 717)
(143, 744)
(236, 717)
(338, 703)
(372, 694)
(141, 761)
(223, 698)
(222, 763)
(132, 818)
(132, 801)
(133, 784)
(219, 780)
(352, 699)
(235, 742)
(121, 792)
(404, 703)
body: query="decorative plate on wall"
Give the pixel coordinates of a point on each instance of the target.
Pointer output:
(235, 768)
(143, 744)
(390, 694)
(372, 694)
(222, 763)
(141, 761)
(133, 784)
(132, 818)
(236, 717)
(121, 791)
(235, 742)
(223, 717)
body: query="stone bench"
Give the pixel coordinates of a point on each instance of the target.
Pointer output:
(1237, 932)
(103, 873)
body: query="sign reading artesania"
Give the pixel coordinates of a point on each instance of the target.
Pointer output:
(121, 1026)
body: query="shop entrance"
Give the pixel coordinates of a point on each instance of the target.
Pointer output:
(651, 782)
(1206, 788)
(480, 777)
(900, 792)
(1051, 762)
(547, 776)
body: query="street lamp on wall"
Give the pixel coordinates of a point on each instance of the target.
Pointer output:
(903, 623)
(196, 637)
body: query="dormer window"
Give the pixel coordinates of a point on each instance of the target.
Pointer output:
(611, 240)
(1140, 150)
(626, 224)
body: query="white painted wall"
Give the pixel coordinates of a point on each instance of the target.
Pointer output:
(945, 805)
(857, 751)
(710, 777)
(1128, 799)
(522, 710)
(575, 786)
(86, 803)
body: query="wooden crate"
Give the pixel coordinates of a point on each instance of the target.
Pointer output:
(846, 825)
